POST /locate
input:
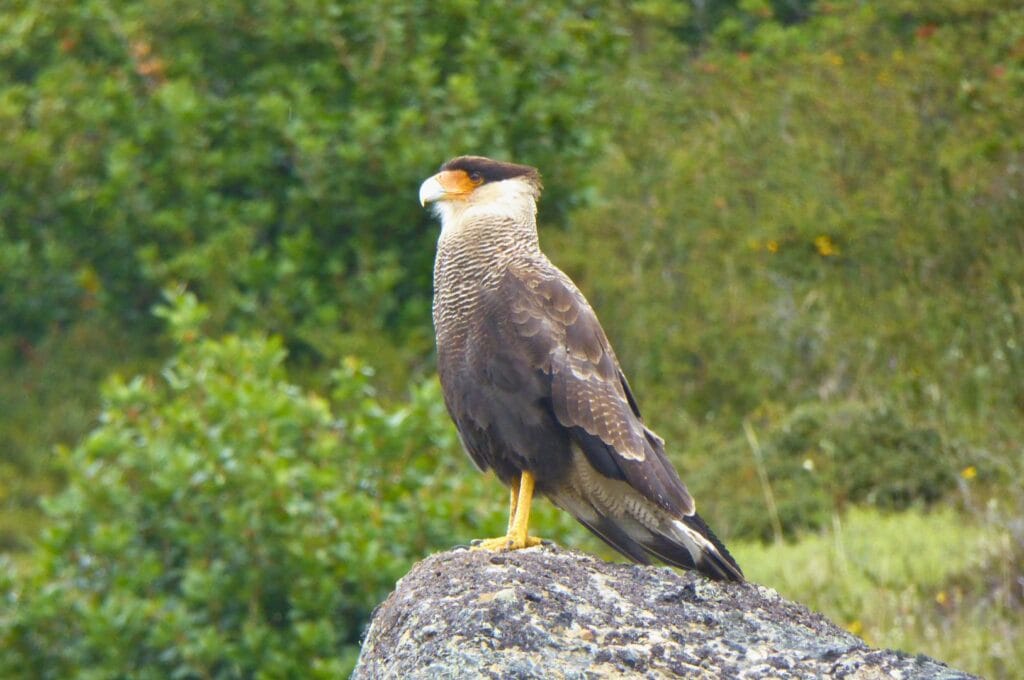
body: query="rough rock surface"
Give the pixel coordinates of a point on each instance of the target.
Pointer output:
(547, 612)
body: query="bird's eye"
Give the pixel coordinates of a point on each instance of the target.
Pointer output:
(476, 177)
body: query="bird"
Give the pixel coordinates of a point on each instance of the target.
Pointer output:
(533, 385)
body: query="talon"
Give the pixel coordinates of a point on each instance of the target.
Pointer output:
(505, 543)
(493, 544)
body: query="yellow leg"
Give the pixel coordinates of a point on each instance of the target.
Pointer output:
(518, 519)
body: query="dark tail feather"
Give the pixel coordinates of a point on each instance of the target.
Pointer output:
(675, 538)
(676, 545)
(691, 536)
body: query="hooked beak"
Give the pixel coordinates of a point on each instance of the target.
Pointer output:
(447, 185)
(431, 190)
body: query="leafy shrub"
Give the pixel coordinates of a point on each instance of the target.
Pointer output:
(827, 217)
(824, 222)
(269, 153)
(221, 522)
(48, 395)
(821, 457)
(821, 201)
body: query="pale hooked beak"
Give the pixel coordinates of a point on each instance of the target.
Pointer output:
(431, 190)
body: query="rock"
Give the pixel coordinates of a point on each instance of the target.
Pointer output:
(546, 612)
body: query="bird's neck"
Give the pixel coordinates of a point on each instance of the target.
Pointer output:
(475, 249)
(478, 240)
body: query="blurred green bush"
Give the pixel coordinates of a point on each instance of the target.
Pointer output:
(223, 522)
(820, 458)
(265, 154)
(820, 227)
(256, 151)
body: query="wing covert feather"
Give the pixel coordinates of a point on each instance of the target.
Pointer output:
(556, 328)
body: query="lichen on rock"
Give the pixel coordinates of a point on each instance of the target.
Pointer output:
(546, 612)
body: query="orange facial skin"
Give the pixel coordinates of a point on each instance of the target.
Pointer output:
(458, 184)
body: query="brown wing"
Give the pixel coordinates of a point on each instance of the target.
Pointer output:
(562, 338)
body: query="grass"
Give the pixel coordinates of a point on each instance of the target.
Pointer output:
(935, 583)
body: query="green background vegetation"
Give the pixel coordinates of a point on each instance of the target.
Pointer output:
(221, 439)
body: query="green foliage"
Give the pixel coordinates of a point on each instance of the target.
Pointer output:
(820, 458)
(870, 455)
(48, 395)
(823, 230)
(222, 522)
(268, 152)
(267, 155)
(815, 225)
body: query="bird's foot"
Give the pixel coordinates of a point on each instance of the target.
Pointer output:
(503, 543)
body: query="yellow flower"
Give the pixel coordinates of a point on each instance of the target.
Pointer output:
(855, 627)
(941, 597)
(89, 280)
(773, 246)
(969, 472)
(825, 246)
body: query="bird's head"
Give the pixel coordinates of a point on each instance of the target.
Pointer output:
(474, 180)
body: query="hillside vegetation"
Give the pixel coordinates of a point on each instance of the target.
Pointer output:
(801, 223)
